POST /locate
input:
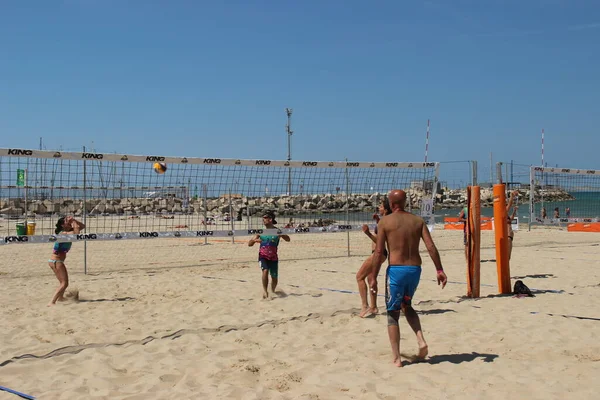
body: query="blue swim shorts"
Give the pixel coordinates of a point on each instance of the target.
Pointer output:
(272, 266)
(401, 283)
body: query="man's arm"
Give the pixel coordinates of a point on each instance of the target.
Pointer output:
(434, 254)
(255, 239)
(285, 237)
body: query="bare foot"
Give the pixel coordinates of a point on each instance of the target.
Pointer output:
(364, 312)
(51, 304)
(423, 351)
(374, 310)
(398, 362)
(265, 295)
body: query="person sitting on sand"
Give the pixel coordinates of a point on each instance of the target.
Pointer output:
(66, 225)
(267, 253)
(365, 269)
(402, 232)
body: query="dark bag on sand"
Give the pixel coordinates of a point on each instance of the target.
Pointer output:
(522, 289)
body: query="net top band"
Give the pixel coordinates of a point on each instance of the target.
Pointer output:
(63, 155)
(572, 171)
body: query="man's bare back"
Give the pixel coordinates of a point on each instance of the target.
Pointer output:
(403, 232)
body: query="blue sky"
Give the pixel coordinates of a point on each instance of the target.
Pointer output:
(212, 79)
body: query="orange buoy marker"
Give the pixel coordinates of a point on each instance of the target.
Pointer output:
(501, 234)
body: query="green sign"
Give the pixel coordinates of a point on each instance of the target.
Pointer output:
(20, 177)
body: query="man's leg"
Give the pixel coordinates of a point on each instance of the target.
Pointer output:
(413, 320)
(394, 334)
(361, 275)
(274, 271)
(265, 282)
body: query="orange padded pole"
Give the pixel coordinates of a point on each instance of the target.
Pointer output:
(475, 242)
(501, 234)
(468, 245)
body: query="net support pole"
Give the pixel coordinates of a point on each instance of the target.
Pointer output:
(531, 197)
(84, 212)
(25, 190)
(347, 209)
(501, 236)
(231, 218)
(248, 213)
(474, 218)
(468, 244)
(434, 192)
(205, 196)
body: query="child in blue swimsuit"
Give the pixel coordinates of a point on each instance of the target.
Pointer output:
(67, 225)
(267, 253)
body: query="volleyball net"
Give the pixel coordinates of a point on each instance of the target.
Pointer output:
(565, 196)
(121, 197)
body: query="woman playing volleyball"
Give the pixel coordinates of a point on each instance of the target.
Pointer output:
(67, 225)
(363, 272)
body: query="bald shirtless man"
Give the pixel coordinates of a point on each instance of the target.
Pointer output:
(402, 232)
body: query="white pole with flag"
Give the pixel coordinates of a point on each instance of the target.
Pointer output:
(427, 141)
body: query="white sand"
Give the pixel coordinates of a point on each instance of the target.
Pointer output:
(152, 323)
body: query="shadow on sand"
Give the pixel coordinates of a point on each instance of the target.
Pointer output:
(99, 300)
(452, 358)
(534, 276)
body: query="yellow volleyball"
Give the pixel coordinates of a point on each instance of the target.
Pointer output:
(160, 168)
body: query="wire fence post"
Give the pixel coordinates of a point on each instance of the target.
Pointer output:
(84, 213)
(231, 218)
(347, 207)
(205, 196)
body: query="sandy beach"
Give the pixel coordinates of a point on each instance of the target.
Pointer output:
(173, 318)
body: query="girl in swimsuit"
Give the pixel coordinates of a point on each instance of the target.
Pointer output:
(511, 217)
(67, 225)
(363, 272)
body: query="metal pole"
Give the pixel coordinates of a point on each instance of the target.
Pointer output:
(25, 188)
(347, 207)
(512, 171)
(248, 204)
(474, 164)
(289, 131)
(531, 196)
(499, 172)
(205, 194)
(436, 180)
(491, 170)
(84, 215)
(427, 141)
(231, 217)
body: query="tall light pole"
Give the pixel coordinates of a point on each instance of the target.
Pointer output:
(288, 129)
